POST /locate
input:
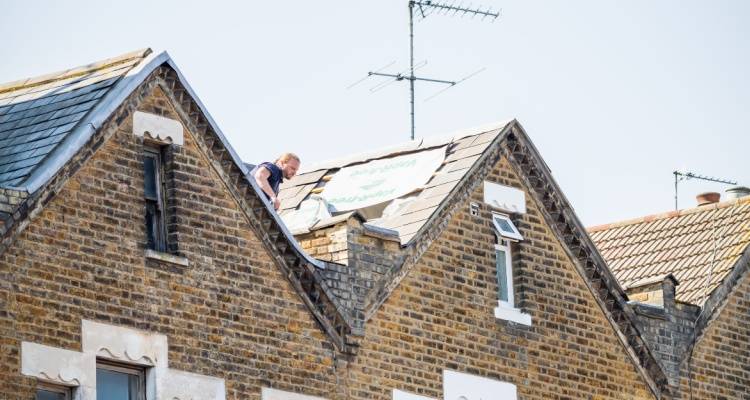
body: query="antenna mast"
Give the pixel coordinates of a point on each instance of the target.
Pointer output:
(425, 8)
(683, 176)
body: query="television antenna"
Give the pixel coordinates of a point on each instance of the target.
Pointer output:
(425, 8)
(684, 176)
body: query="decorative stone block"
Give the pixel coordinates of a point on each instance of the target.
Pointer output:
(58, 366)
(274, 394)
(124, 344)
(158, 128)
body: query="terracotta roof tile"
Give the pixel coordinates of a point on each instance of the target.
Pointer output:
(681, 243)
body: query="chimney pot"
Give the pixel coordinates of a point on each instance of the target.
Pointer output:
(708, 198)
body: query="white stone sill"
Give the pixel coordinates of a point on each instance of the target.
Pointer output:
(506, 313)
(167, 258)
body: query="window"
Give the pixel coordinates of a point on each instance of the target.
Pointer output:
(507, 234)
(119, 382)
(153, 182)
(52, 392)
(505, 227)
(504, 271)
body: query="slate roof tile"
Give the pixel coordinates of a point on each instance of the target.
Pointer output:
(37, 114)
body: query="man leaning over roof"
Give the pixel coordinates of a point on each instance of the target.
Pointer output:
(270, 175)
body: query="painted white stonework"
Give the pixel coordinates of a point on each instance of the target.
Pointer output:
(400, 395)
(504, 312)
(183, 385)
(124, 345)
(59, 366)
(157, 127)
(275, 394)
(460, 386)
(505, 198)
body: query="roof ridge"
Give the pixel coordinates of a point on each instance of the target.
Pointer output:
(668, 214)
(72, 72)
(409, 146)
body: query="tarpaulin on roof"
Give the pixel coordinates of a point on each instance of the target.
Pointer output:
(376, 181)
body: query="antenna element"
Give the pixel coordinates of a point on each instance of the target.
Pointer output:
(684, 176)
(425, 8)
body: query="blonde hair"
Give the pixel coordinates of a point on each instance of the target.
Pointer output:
(286, 157)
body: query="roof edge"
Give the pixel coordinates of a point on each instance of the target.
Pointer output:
(668, 214)
(94, 120)
(73, 72)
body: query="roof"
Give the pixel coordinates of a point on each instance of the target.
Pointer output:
(137, 73)
(679, 243)
(462, 150)
(37, 114)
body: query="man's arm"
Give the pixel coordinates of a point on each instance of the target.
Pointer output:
(261, 178)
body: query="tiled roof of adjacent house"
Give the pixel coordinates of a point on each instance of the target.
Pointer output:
(699, 246)
(462, 150)
(37, 114)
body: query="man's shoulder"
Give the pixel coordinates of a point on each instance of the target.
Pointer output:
(269, 166)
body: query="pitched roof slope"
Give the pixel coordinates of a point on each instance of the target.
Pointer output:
(37, 114)
(462, 150)
(699, 246)
(148, 70)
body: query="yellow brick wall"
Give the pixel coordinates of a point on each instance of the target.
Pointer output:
(441, 317)
(720, 367)
(230, 314)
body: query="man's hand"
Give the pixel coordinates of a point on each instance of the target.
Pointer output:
(276, 202)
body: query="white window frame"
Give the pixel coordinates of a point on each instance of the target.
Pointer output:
(504, 246)
(506, 309)
(514, 235)
(66, 391)
(134, 370)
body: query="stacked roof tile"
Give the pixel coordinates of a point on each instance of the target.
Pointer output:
(37, 114)
(699, 246)
(462, 151)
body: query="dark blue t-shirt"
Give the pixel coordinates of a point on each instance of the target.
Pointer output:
(276, 177)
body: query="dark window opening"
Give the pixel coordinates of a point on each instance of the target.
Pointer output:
(153, 182)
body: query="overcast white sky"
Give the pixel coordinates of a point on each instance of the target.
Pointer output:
(615, 94)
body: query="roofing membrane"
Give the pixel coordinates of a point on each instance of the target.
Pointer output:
(461, 150)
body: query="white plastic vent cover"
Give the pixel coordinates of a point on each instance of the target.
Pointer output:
(505, 197)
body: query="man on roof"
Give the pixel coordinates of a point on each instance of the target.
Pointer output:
(270, 175)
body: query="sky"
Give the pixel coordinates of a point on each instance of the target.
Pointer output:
(616, 95)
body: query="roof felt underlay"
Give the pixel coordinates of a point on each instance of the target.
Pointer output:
(699, 246)
(463, 150)
(37, 114)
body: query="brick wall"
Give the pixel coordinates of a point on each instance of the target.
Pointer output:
(666, 326)
(441, 317)
(720, 363)
(229, 314)
(360, 259)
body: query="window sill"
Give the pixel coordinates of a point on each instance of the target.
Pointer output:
(167, 258)
(512, 314)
